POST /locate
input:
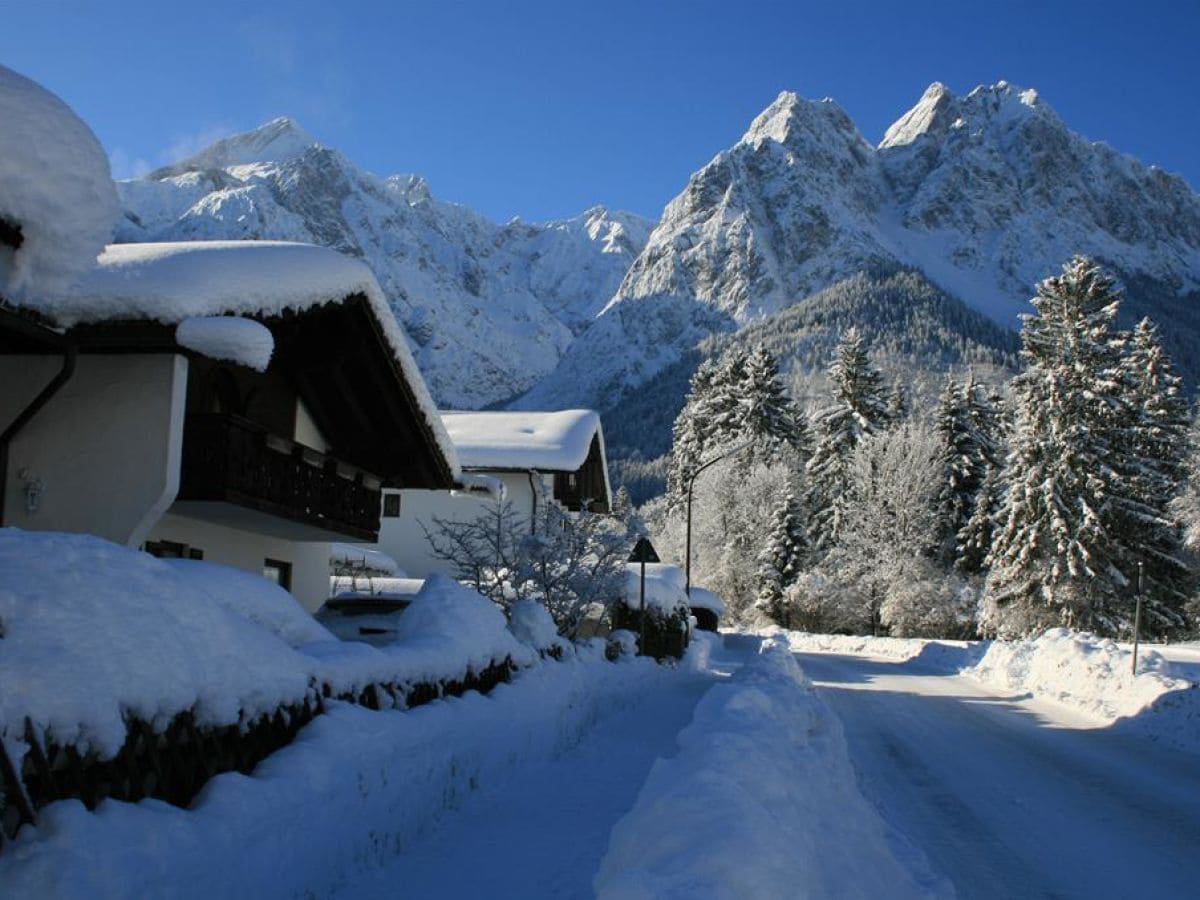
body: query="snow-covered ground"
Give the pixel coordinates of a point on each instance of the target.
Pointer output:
(1087, 676)
(1009, 795)
(724, 777)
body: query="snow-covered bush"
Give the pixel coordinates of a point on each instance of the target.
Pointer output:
(531, 624)
(568, 562)
(55, 186)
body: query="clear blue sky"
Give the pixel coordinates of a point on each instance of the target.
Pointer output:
(541, 109)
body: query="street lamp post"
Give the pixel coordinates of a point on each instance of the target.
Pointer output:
(691, 485)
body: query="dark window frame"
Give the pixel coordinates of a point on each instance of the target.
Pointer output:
(285, 572)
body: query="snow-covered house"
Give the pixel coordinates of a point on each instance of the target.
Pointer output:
(242, 402)
(531, 458)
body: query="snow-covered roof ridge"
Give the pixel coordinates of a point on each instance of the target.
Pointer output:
(171, 282)
(545, 441)
(55, 186)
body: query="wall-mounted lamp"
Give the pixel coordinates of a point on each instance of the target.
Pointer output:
(34, 488)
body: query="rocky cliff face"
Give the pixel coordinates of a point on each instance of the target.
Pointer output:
(985, 194)
(489, 308)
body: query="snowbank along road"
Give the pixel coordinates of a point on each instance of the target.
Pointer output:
(1013, 797)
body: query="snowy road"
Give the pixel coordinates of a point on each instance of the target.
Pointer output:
(543, 832)
(1009, 797)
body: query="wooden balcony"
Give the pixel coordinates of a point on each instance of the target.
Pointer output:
(228, 459)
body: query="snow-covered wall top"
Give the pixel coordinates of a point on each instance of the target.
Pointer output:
(172, 282)
(55, 185)
(545, 441)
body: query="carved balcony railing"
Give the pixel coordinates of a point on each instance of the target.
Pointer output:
(229, 459)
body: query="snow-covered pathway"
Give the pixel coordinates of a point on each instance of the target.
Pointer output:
(544, 831)
(1010, 797)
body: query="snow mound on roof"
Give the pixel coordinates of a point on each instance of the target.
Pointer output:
(703, 598)
(546, 441)
(664, 587)
(761, 801)
(357, 556)
(228, 337)
(56, 185)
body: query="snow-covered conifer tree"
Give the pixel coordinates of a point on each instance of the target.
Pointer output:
(1062, 551)
(1155, 466)
(766, 414)
(859, 409)
(781, 560)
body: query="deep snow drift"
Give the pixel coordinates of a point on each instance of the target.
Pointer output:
(1089, 675)
(761, 801)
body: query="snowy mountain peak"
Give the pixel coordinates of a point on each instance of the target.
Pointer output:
(791, 119)
(939, 111)
(279, 140)
(928, 115)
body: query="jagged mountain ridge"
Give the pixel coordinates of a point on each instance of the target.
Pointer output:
(985, 194)
(489, 308)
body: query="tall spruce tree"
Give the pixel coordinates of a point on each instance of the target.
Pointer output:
(767, 415)
(967, 427)
(1155, 466)
(1061, 551)
(739, 397)
(781, 561)
(859, 409)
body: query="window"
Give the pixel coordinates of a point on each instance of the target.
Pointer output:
(172, 550)
(279, 572)
(391, 505)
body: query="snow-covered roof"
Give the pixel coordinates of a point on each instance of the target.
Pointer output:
(545, 441)
(173, 282)
(664, 586)
(55, 185)
(361, 557)
(703, 598)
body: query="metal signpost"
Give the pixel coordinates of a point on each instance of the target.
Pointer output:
(1137, 617)
(643, 552)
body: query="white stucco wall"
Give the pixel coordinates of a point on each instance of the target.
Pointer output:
(403, 538)
(106, 448)
(307, 432)
(247, 550)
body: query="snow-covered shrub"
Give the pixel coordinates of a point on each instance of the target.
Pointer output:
(568, 562)
(531, 624)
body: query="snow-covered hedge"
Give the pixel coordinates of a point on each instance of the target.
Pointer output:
(768, 800)
(92, 633)
(350, 793)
